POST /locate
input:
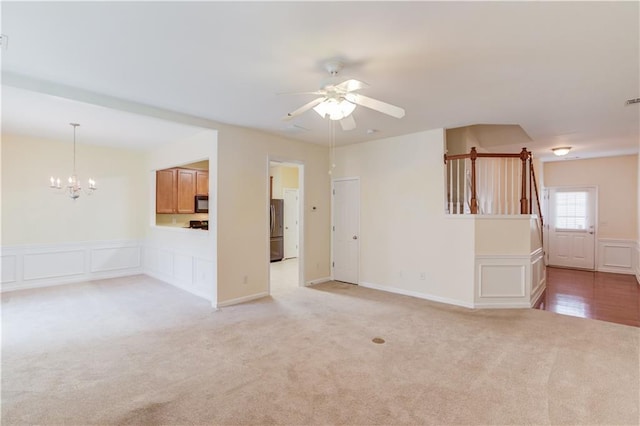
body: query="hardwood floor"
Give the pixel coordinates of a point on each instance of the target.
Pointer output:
(597, 295)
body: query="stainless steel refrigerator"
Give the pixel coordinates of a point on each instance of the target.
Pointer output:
(277, 226)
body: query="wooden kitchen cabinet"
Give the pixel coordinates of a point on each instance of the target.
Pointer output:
(166, 190)
(202, 182)
(185, 202)
(176, 190)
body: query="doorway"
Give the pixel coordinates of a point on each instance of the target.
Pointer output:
(346, 230)
(571, 230)
(286, 190)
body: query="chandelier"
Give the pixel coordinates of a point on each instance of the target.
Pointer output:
(73, 188)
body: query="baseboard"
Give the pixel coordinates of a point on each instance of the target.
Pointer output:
(498, 305)
(243, 299)
(416, 294)
(317, 281)
(38, 265)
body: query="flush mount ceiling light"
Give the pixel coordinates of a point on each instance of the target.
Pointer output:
(73, 189)
(562, 150)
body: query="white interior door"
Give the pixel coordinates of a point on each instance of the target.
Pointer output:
(572, 218)
(291, 211)
(346, 230)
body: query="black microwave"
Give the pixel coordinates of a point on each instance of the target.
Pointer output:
(202, 204)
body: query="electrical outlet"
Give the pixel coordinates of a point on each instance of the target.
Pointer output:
(245, 280)
(423, 275)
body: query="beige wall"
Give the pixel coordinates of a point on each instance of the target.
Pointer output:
(283, 177)
(33, 214)
(617, 182)
(403, 228)
(500, 235)
(243, 220)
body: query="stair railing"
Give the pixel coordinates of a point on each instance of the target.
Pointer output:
(492, 183)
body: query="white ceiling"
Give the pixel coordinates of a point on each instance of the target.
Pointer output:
(561, 70)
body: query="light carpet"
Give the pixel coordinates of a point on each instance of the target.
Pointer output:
(137, 351)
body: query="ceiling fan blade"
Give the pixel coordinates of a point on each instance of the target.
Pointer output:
(351, 85)
(348, 123)
(316, 92)
(304, 108)
(375, 104)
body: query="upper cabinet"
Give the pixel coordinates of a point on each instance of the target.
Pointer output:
(176, 189)
(185, 202)
(202, 182)
(166, 190)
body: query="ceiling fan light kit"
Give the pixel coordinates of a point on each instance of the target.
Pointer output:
(561, 150)
(334, 108)
(338, 100)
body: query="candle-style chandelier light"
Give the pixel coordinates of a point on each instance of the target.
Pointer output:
(73, 188)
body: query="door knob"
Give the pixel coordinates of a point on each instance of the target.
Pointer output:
(355, 237)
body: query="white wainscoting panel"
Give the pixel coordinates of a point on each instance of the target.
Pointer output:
(9, 268)
(112, 258)
(185, 271)
(508, 281)
(616, 256)
(203, 277)
(502, 281)
(53, 264)
(538, 276)
(32, 266)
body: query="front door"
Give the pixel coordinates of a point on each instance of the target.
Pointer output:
(346, 230)
(290, 222)
(572, 216)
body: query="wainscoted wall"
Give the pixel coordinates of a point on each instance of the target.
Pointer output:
(509, 281)
(186, 271)
(31, 266)
(617, 256)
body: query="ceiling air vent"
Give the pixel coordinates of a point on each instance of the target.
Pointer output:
(632, 101)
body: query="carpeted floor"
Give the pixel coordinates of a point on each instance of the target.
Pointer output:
(137, 351)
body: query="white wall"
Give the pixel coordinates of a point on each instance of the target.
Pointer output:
(243, 219)
(49, 239)
(403, 228)
(186, 258)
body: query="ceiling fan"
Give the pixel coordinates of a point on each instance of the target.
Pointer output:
(338, 100)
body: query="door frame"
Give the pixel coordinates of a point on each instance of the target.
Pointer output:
(333, 181)
(301, 212)
(547, 208)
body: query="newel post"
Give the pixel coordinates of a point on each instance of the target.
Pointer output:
(474, 200)
(524, 203)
